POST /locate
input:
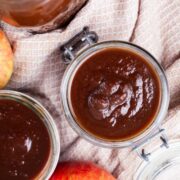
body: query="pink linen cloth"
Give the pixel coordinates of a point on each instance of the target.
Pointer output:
(151, 24)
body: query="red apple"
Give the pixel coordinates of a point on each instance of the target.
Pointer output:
(80, 171)
(6, 60)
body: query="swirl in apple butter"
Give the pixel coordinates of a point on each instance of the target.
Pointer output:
(24, 142)
(115, 94)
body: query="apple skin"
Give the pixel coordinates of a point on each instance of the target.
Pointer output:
(6, 60)
(80, 171)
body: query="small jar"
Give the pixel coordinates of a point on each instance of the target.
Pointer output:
(47, 120)
(80, 59)
(38, 15)
(75, 53)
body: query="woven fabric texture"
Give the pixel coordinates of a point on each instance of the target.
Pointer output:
(151, 24)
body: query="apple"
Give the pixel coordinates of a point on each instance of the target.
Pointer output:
(6, 60)
(80, 171)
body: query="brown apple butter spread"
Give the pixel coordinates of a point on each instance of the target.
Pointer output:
(115, 94)
(38, 12)
(24, 142)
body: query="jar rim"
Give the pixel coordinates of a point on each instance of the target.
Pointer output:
(15, 2)
(143, 134)
(47, 121)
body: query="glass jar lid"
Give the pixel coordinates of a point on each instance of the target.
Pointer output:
(163, 164)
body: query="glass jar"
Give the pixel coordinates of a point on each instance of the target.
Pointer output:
(49, 124)
(79, 59)
(38, 14)
(75, 53)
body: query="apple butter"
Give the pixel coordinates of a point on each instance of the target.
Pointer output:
(38, 12)
(115, 94)
(24, 142)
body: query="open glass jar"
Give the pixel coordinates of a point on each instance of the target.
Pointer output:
(76, 53)
(41, 112)
(38, 15)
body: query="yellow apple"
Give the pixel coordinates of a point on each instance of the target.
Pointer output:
(6, 60)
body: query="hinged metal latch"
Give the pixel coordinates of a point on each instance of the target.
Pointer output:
(141, 151)
(79, 42)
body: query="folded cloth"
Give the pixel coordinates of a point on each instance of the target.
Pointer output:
(153, 25)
